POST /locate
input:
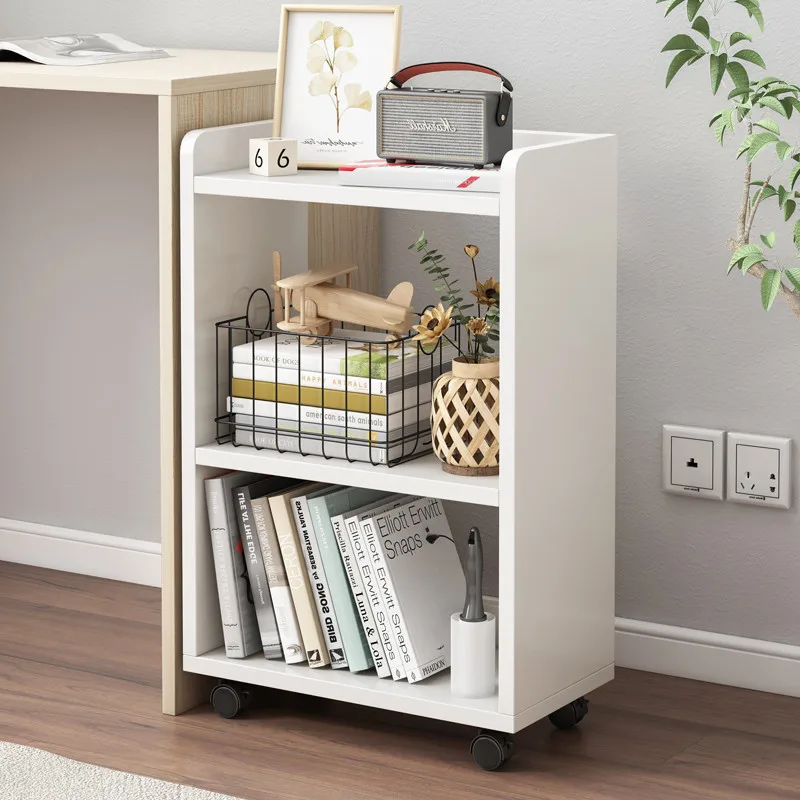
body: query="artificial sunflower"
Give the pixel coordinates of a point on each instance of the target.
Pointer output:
(435, 321)
(488, 292)
(478, 326)
(471, 250)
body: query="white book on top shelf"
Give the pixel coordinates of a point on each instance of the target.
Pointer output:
(379, 173)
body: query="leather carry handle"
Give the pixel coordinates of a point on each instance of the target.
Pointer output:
(407, 73)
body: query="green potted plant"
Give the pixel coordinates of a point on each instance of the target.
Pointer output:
(465, 407)
(759, 108)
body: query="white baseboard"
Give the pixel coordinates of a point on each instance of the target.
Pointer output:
(705, 656)
(84, 553)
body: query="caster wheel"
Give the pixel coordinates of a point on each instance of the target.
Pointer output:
(229, 699)
(491, 750)
(570, 715)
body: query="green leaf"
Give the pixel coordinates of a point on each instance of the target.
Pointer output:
(754, 10)
(769, 239)
(745, 251)
(672, 6)
(680, 42)
(789, 209)
(784, 150)
(783, 195)
(738, 36)
(793, 176)
(765, 195)
(751, 56)
(718, 64)
(725, 124)
(796, 234)
(760, 141)
(766, 82)
(679, 61)
(770, 284)
(788, 107)
(768, 125)
(739, 75)
(702, 27)
(745, 90)
(793, 274)
(716, 44)
(692, 7)
(773, 105)
(715, 118)
(745, 145)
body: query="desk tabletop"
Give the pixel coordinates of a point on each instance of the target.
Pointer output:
(188, 72)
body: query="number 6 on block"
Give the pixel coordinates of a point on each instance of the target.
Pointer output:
(273, 157)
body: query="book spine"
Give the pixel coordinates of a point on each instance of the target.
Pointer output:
(397, 623)
(314, 644)
(288, 443)
(224, 569)
(257, 576)
(319, 583)
(315, 380)
(282, 605)
(369, 580)
(363, 606)
(356, 434)
(353, 640)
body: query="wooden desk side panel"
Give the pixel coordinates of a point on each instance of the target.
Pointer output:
(177, 116)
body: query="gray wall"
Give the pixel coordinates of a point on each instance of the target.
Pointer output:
(693, 346)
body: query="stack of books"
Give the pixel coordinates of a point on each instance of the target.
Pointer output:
(349, 396)
(334, 576)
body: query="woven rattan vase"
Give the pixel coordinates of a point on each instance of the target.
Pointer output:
(465, 418)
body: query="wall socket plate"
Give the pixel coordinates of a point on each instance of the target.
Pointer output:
(760, 470)
(693, 461)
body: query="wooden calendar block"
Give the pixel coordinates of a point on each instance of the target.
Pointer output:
(273, 157)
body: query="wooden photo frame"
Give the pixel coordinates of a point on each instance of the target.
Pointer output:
(331, 62)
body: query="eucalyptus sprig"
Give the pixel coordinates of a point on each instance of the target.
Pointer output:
(760, 108)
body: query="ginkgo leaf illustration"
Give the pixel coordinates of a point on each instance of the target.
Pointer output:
(342, 37)
(345, 61)
(321, 84)
(315, 60)
(356, 98)
(322, 30)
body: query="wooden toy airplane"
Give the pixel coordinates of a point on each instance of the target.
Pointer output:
(320, 302)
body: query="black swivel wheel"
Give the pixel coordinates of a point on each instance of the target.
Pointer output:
(230, 699)
(570, 715)
(491, 750)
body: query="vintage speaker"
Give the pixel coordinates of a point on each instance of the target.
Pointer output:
(444, 126)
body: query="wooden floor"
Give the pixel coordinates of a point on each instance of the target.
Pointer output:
(79, 676)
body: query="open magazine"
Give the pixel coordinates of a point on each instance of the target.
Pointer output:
(73, 50)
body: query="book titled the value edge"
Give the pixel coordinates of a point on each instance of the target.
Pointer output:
(281, 594)
(323, 508)
(421, 582)
(364, 562)
(239, 624)
(304, 605)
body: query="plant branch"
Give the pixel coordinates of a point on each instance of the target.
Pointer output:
(744, 211)
(756, 204)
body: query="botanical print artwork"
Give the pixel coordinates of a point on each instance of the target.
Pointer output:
(330, 57)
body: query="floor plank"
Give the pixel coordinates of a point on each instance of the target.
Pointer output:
(79, 676)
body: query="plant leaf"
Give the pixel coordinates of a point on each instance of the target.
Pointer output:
(718, 64)
(692, 7)
(738, 75)
(745, 251)
(793, 176)
(769, 239)
(672, 6)
(783, 195)
(768, 125)
(788, 209)
(773, 105)
(738, 36)
(751, 56)
(793, 274)
(796, 234)
(702, 27)
(679, 61)
(680, 42)
(784, 150)
(754, 10)
(760, 141)
(725, 124)
(770, 284)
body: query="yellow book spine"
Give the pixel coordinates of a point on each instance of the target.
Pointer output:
(309, 396)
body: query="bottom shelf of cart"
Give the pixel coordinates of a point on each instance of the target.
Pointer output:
(430, 698)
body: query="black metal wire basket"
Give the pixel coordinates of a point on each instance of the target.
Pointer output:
(359, 395)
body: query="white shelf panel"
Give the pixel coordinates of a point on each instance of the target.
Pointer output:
(429, 698)
(322, 186)
(423, 476)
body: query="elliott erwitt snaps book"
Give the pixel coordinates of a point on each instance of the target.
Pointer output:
(72, 50)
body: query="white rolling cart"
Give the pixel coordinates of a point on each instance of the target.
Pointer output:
(555, 494)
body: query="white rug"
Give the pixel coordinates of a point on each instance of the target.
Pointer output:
(29, 774)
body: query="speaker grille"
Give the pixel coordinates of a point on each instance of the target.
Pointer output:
(431, 127)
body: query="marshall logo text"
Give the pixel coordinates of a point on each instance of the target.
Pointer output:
(437, 126)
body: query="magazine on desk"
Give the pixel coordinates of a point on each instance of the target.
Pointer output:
(380, 173)
(72, 50)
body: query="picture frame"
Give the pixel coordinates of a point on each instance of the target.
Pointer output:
(332, 59)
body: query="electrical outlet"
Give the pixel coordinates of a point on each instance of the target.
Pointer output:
(693, 461)
(759, 470)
